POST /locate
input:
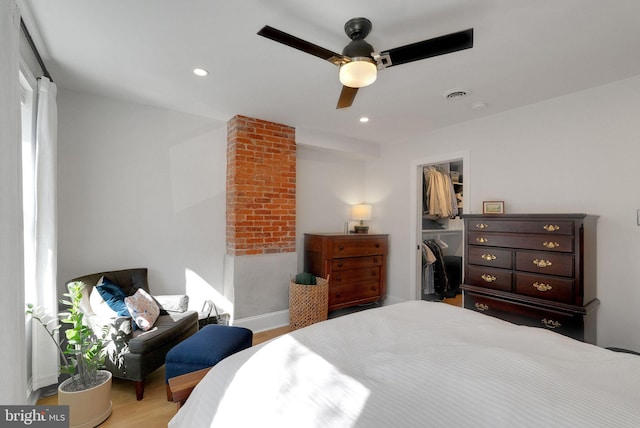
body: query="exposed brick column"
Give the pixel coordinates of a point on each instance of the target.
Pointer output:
(261, 187)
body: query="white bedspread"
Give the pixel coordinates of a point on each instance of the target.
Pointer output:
(418, 364)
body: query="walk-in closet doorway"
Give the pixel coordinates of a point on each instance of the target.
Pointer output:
(446, 232)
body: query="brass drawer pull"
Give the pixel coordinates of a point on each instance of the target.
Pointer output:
(488, 257)
(551, 227)
(482, 240)
(551, 245)
(542, 263)
(541, 286)
(488, 278)
(482, 307)
(550, 323)
(482, 225)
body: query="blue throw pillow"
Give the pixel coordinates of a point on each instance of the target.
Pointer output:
(114, 296)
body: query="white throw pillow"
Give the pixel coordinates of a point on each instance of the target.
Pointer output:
(99, 306)
(173, 302)
(143, 309)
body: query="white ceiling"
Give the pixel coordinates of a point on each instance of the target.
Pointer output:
(525, 51)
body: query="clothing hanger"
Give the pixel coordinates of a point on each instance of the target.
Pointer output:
(441, 243)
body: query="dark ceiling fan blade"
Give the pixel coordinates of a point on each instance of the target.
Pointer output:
(347, 96)
(429, 48)
(302, 45)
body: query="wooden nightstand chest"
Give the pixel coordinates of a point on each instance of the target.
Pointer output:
(355, 265)
(533, 269)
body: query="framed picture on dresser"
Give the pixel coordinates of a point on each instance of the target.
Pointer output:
(493, 207)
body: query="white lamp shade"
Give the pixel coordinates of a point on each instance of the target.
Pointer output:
(358, 73)
(361, 212)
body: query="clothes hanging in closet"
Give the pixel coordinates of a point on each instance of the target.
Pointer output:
(428, 259)
(439, 195)
(434, 278)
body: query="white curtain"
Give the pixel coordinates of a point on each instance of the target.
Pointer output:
(44, 353)
(13, 387)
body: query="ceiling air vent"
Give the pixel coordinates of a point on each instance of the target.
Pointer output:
(456, 94)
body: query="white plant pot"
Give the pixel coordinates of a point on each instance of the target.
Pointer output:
(87, 408)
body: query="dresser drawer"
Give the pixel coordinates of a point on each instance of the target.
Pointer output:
(492, 257)
(365, 291)
(496, 279)
(559, 243)
(355, 262)
(349, 247)
(522, 226)
(564, 323)
(550, 288)
(547, 263)
(355, 275)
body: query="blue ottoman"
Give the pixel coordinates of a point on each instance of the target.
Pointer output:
(206, 348)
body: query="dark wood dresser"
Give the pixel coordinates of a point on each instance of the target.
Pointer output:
(533, 269)
(355, 265)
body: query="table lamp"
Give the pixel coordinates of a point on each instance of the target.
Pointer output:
(361, 212)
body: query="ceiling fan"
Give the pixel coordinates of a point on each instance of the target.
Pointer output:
(359, 62)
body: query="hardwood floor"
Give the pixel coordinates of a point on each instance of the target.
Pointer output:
(263, 336)
(455, 301)
(154, 410)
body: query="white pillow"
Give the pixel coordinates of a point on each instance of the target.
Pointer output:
(99, 306)
(143, 309)
(173, 302)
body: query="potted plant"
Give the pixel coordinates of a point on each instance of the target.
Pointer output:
(87, 392)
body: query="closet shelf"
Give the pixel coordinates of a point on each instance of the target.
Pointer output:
(441, 231)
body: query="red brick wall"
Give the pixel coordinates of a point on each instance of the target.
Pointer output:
(261, 187)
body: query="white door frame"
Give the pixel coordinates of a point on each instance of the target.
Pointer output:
(415, 183)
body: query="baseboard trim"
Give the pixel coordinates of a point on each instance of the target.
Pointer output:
(264, 322)
(390, 300)
(278, 319)
(32, 396)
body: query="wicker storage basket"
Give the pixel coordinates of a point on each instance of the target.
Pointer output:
(308, 304)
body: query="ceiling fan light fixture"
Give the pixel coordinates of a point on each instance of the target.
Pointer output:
(358, 73)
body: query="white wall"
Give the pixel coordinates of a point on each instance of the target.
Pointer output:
(573, 154)
(14, 361)
(141, 187)
(328, 183)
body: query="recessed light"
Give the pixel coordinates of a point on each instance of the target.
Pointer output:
(479, 105)
(364, 119)
(200, 72)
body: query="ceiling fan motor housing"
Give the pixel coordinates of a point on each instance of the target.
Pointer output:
(358, 48)
(358, 28)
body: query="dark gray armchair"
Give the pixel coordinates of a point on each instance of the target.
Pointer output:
(133, 355)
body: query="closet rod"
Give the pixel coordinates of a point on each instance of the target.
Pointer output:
(45, 72)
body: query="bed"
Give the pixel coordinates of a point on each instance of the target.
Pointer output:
(418, 364)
